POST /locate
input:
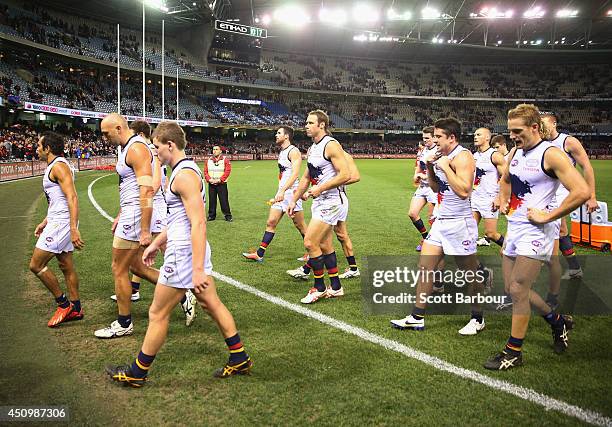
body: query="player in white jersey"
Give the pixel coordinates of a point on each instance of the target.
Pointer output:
(327, 171)
(423, 195)
(574, 150)
(289, 163)
(132, 227)
(341, 231)
(58, 234)
(450, 171)
(527, 191)
(489, 167)
(187, 264)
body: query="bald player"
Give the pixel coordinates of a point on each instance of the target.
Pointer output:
(132, 227)
(489, 167)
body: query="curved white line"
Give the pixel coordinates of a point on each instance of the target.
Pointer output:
(524, 393)
(93, 201)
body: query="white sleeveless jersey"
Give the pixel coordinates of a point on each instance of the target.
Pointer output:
(285, 168)
(58, 205)
(322, 170)
(423, 165)
(559, 142)
(179, 227)
(129, 192)
(532, 187)
(486, 177)
(449, 204)
(158, 198)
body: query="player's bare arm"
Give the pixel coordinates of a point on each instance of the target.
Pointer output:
(354, 175)
(63, 176)
(139, 158)
(575, 148)
(296, 163)
(187, 184)
(555, 162)
(459, 172)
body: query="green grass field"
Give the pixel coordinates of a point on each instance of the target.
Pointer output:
(305, 371)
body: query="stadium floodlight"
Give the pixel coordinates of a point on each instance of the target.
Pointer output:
(538, 42)
(360, 38)
(363, 12)
(534, 13)
(292, 15)
(434, 40)
(392, 15)
(609, 14)
(266, 19)
(156, 4)
(333, 16)
(499, 42)
(567, 13)
(430, 13)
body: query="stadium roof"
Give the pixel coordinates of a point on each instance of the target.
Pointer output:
(523, 24)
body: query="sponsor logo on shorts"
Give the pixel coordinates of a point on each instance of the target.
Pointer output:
(49, 239)
(158, 222)
(127, 227)
(536, 243)
(169, 269)
(466, 242)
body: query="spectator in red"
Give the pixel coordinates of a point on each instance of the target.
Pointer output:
(217, 169)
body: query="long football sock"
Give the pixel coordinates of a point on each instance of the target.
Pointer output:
(265, 241)
(567, 249)
(141, 365)
(331, 263)
(418, 224)
(236, 349)
(318, 268)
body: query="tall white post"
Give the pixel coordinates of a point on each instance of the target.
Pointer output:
(177, 101)
(144, 111)
(163, 74)
(118, 75)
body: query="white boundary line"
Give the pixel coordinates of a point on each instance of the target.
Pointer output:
(524, 393)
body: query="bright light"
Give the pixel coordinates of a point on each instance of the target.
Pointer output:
(430, 13)
(534, 12)
(360, 38)
(609, 14)
(392, 15)
(567, 13)
(157, 4)
(365, 13)
(499, 42)
(265, 20)
(538, 42)
(291, 15)
(333, 16)
(257, 19)
(434, 40)
(493, 13)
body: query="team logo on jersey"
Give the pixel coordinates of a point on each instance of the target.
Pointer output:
(281, 170)
(49, 239)
(442, 188)
(520, 189)
(315, 173)
(478, 176)
(514, 162)
(168, 269)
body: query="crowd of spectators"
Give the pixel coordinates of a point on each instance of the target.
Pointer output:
(18, 142)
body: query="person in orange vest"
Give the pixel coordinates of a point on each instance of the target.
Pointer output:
(217, 169)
